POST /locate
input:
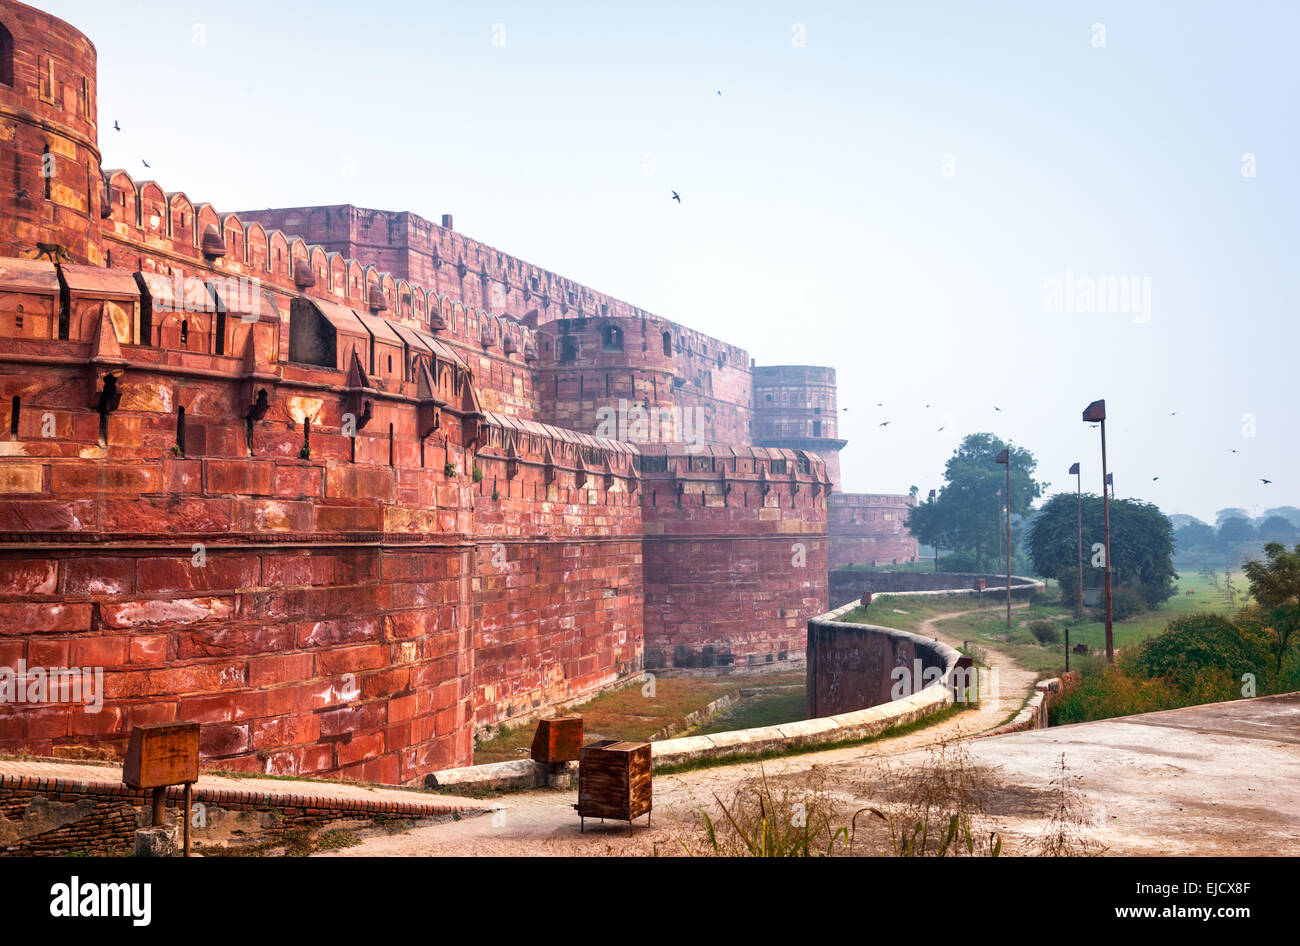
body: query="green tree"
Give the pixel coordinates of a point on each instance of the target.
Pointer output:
(1278, 529)
(1141, 546)
(1275, 584)
(967, 514)
(1194, 535)
(1230, 512)
(1236, 529)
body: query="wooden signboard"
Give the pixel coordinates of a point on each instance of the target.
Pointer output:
(162, 754)
(614, 781)
(558, 739)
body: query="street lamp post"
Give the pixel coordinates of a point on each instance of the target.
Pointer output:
(1096, 413)
(1005, 459)
(1078, 494)
(1110, 481)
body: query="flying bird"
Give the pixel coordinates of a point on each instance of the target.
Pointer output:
(1232, 450)
(676, 198)
(144, 162)
(1264, 481)
(116, 126)
(997, 408)
(940, 430)
(1154, 478)
(884, 423)
(719, 91)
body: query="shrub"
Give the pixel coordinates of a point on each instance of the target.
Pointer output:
(1125, 603)
(449, 469)
(1045, 632)
(1199, 642)
(477, 475)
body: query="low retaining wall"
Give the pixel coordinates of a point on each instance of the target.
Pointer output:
(844, 726)
(849, 585)
(63, 816)
(1033, 715)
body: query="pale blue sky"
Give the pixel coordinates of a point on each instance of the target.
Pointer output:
(816, 224)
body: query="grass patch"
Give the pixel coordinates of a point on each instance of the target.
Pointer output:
(627, 714)
(768, 708)
(987, 624)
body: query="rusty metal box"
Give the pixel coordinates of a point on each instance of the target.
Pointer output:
(558, 739)
(162, 754)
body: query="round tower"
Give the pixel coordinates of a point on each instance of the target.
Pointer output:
(50, 164)
(795, 408)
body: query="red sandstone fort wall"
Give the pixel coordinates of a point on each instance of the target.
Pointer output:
(735, 554)
(49, 156)
(237, 471)
(867, 529)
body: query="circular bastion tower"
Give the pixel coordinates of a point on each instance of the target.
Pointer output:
(795, 409)
(49, 154)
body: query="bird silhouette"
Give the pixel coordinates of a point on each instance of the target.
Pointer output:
(719, 91)
(940, 430)
(1172, 413)
(144, 162)
(884, 423)
(1264, 481)
(844, 408)
(676, 197)
(997, 409)
(1232, 450)
(1154, 478)
(116, 126)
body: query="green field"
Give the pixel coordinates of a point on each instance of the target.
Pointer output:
(988, 625)
(767, 708)
(628, 714)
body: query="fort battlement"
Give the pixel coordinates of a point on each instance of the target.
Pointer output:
(340, 509)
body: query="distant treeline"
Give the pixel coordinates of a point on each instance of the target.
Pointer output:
(1235, 536)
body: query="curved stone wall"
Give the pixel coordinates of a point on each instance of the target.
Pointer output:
(847, 585)
(830, 645)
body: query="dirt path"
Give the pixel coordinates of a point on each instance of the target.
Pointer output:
(542, 823)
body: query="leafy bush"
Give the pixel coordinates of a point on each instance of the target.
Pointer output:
(1198, 642)
(1045, 632)
(1125, 602)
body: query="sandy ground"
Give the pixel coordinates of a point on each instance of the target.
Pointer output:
(542, 823)
(1205, 780)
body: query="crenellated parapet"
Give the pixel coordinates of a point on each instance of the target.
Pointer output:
(347, 486)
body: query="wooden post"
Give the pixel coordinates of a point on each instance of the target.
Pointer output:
(189, 799)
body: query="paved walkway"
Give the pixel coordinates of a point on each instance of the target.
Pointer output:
(273, 792)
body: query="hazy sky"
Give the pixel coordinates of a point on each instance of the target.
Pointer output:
(887, 188)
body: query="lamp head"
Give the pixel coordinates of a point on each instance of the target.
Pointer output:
(1074, 468)
(1096, 411)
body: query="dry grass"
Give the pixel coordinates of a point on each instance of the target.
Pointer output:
(939, 808)
(1064, 835)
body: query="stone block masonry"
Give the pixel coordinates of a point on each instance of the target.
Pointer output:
(331, 481)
